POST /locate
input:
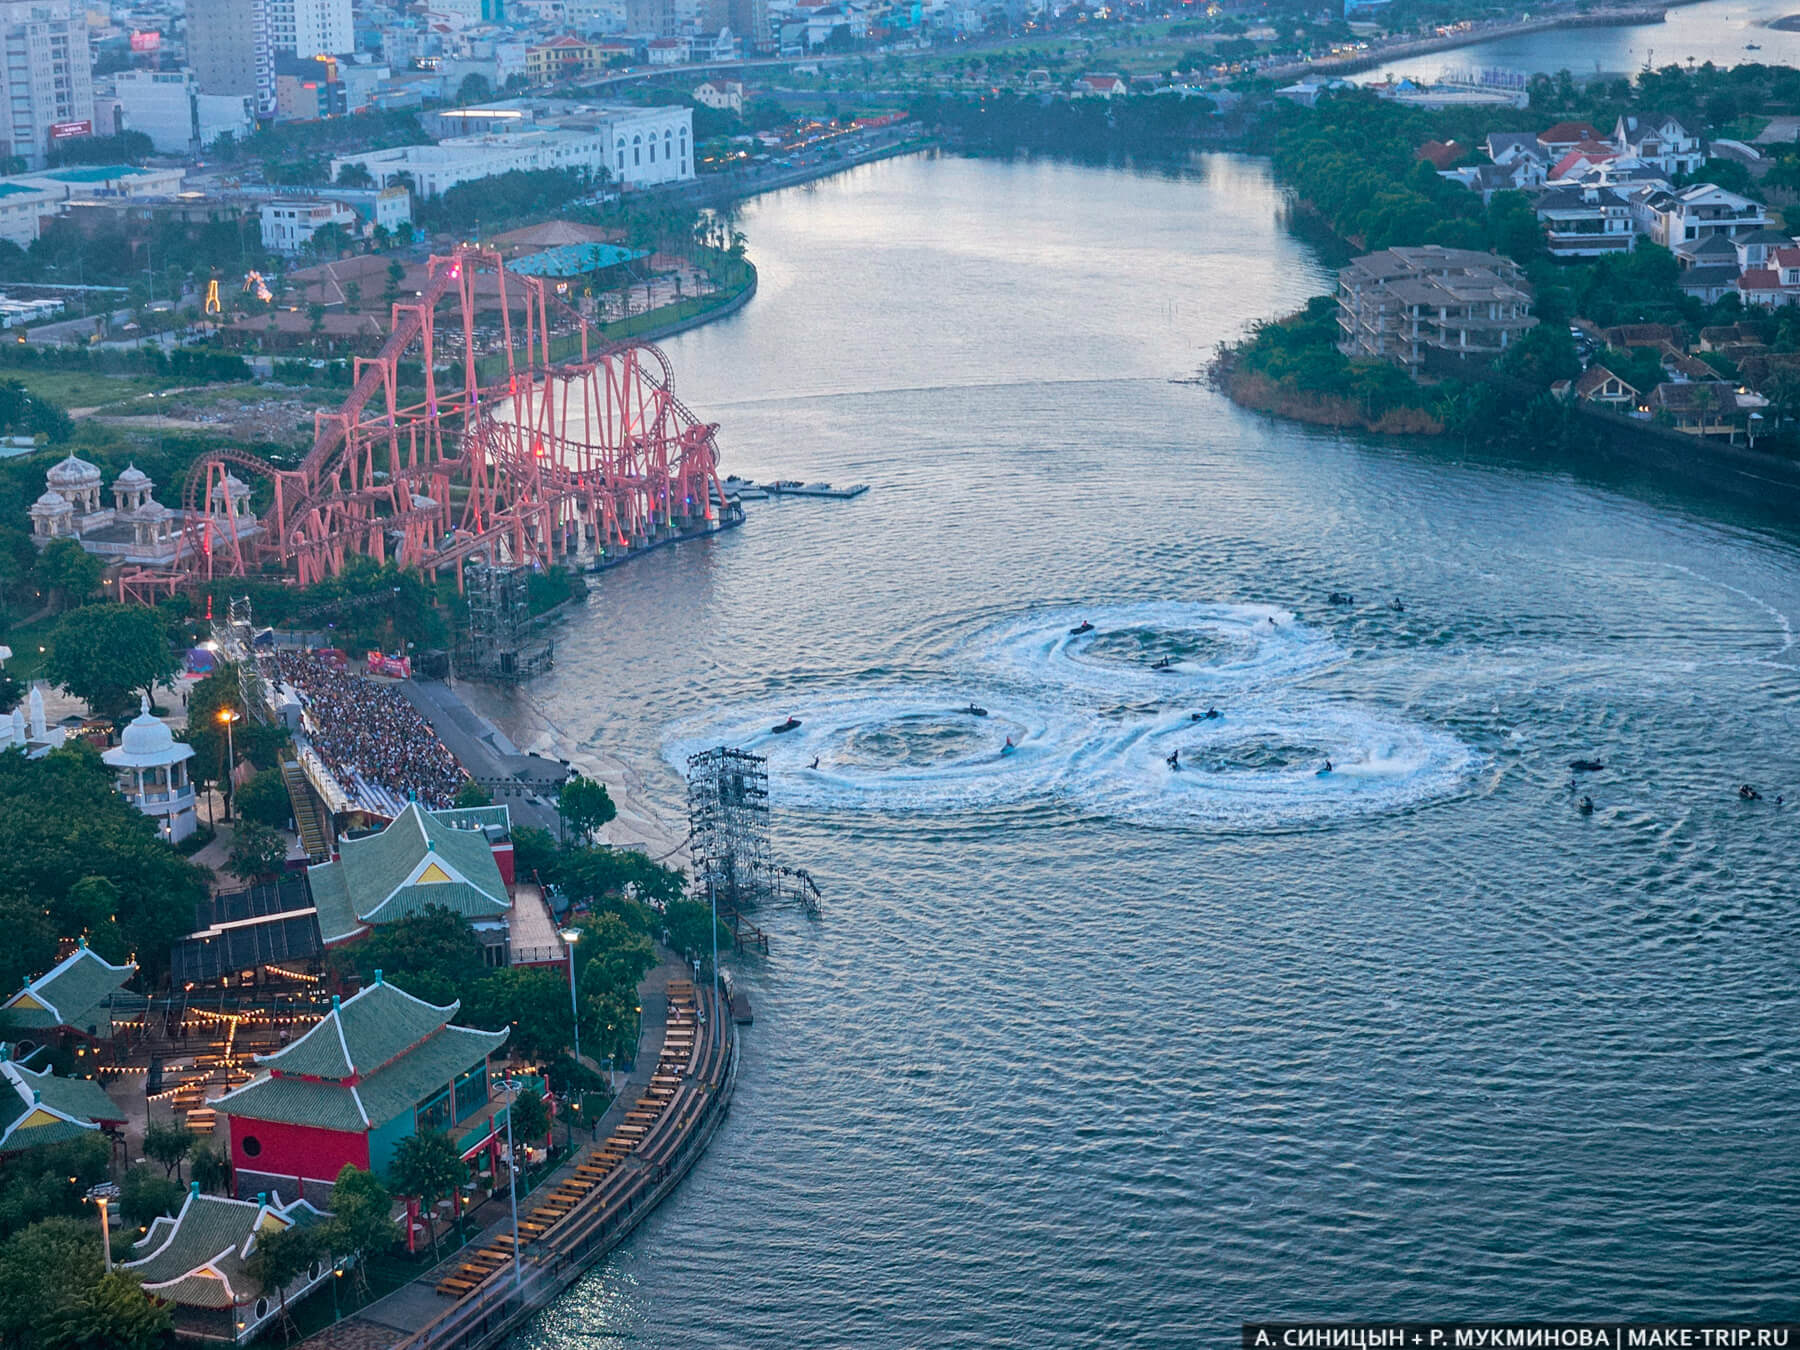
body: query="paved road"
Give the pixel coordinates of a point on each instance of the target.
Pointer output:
(489, 756)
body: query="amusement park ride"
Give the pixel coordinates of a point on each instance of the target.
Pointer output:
(502, 452)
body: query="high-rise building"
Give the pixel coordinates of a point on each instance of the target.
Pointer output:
(229, 50)
(750, 22)
(45, 81)
(311, 27)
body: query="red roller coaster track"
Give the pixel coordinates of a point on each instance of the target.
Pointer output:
(539, 460)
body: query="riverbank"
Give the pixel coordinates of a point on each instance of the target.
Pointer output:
(681, 1086)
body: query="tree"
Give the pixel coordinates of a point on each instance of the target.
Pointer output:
(168, 1144)
(280, 1257)
(352, 296)
(690, 925)
(474, 89)
(105, 653)
(428, 1168)
(534, 852)
(315, 313)
(144, 1196)
(355, 175)
(210, 1169)
(256, 850)
(535, 1001)
(112, 1313)
(471, 793)
(264, 798)
(39, 1267)
(530, 1118)
(435, 948)
(360, 1226)
(68, 572)
(396, 273)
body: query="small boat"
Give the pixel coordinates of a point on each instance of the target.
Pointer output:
(1083, 627)
(975, 710)
(1753, 46)
(781, 727)
(1586, 765)
(1009, 747)
(1166, 663)
(1340, 598)
(1206, 716)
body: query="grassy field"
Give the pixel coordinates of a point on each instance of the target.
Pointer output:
(82, 389)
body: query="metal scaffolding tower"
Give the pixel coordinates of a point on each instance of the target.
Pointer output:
(502, 643)
(728, 820)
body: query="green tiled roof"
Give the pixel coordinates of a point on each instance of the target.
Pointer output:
(413, 1077)
(294, 1101)
(455, 896)
(373, 872)
(361, 1034)
(73, 993)
(74, 1106)
(211, 1233)
(399, 1045)
(337, 920)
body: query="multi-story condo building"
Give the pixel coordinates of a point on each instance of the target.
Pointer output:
(45, 80)
(310, 27)
(229, 50)
(1431, 307)
(1695, 212)
(1586, 222)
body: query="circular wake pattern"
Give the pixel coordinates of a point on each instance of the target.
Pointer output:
(1259, 768)
(1164, 645)
(901, 749)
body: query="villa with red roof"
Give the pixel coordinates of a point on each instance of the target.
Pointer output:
(379, 1068)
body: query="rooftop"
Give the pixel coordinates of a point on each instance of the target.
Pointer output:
(75, 993)
(567, 260)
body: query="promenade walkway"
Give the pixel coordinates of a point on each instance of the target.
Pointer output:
(657, 1125)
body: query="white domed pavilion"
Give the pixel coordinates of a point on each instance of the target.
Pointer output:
(153, 773)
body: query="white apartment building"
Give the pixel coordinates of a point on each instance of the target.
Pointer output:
(45, 78)
(289, 223)
(1696, 212)
(26, 200)
(310, 27)
(168, 107)
(636, 147)
(23, 207)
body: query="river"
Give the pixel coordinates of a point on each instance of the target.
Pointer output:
(1719, 31)
(1088, 1051)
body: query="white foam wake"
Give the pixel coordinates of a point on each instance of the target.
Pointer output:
(1200, 647)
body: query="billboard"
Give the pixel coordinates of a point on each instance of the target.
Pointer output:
(63, 131)
(146, 42)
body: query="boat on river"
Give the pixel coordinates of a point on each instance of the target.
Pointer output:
(782, 728)
(788, 487)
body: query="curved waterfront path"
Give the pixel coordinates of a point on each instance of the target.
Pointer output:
(589, 1204)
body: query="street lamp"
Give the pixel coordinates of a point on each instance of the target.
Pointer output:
(570, 937)
(512, 1179)
(228, 716)
(100, 1194)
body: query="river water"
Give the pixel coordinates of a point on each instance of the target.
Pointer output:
(1088, 1051)
(1719, 31)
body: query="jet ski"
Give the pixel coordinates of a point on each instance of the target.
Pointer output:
(1173, 760)
(1340, 598)
(1009, 747)
(975, 710)
(1166, 663)
(1324, 771)
(1083, 627)
(1586, 765)
(780, 727)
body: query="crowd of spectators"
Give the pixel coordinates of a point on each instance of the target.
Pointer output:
(368, 729)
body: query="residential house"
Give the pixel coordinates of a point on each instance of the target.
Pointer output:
(1441, 154)
(1586, 222)
(1521, 174)
(1754, 249)
(377, 1069)
(666, 51)
(1630, 336)
(1599, 385)
(1660, 140)
(1581, 159)
(39, 1107)
(1670, 218)
(721, 95)
(1557, 141)
(199, 1262)
(289, 223)
(1699, 407)
(1709, 267)
(1431, 306)
(1507, 147)
(1761, 286)
(561, 58)
(1729, 336)
(1099, 86)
